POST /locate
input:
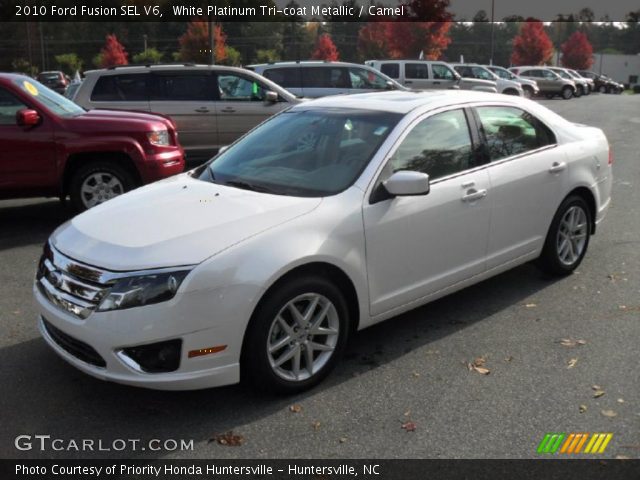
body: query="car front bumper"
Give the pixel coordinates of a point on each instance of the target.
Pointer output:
(200, 319)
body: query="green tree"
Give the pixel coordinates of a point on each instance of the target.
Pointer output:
(69, 63)
(149, 56)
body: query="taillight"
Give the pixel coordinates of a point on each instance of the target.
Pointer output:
(610, 155)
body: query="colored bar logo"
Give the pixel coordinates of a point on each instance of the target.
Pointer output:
(571, 443)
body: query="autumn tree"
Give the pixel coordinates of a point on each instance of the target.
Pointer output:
(532, 46)
(577, 52)
(194, 44)
(372, 41)
(325, 49)
(113, 53)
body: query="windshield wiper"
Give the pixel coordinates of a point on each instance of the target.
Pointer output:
(248, 186)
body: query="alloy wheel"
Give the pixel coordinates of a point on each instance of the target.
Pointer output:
(572, 235)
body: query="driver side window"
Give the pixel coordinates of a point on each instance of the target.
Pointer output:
(438, 146)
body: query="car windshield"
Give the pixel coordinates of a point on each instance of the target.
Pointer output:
(307, 153)
(53, 101)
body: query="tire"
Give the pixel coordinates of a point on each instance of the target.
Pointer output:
(577, 92)
(567, 92)
(274, 339)
(602, 89)
(562, 255)
(510, 91)
(97, 182)
(550, 95)
(528, 92)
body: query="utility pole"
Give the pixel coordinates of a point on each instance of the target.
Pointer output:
(144, 37)
(492, 18)
(212, 46)
(44, 60)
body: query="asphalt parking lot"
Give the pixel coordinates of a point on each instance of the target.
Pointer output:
(408, 372)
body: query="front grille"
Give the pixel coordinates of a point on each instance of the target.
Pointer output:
(70, 285)
(75, 347)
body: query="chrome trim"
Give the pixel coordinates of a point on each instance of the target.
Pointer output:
(65, 301)
(129, 362)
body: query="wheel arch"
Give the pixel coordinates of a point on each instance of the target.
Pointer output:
(587, 195)
(76, 160)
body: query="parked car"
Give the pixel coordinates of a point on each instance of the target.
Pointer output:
(212, 106)
(71, 90)
(426, 74)
(529, 87)
(508, 87)
(549, 82)
(590, 86)
(315, 79)
(55, 80)
(602, 83)
(328, 218)
(53, 147)
(582, 86)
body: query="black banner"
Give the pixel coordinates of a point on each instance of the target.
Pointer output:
(322, 469)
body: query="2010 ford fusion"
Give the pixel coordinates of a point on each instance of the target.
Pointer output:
(328, 218)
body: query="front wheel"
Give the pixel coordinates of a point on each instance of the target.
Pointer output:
(568, 237)
(567, 93)
(296, 336)
(602, 89)
(98, 182)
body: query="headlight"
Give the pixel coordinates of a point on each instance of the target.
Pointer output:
(132, 292)
(158, 137)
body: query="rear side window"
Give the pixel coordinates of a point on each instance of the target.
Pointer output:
(325, 77)
(532, 73)
(285, 77)
(9, 106)
(391, 70)
(121, 88)
(510, 131)
(438, 146)
(366, 79)
(416, 70)
(183, 87)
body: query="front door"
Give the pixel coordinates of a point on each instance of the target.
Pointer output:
(419, 245)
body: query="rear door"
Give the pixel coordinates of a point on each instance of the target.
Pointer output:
(416, 75)
(442, 76)
(364, 80)
(27, 163)
(241, 105)
(323, 80)
(187, 96)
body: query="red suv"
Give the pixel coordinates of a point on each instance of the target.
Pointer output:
(53, 147)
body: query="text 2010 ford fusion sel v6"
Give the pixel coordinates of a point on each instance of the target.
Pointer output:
(329, 217)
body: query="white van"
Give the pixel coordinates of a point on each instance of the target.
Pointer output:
(428, 74)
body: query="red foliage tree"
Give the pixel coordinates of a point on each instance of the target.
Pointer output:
(113, 53)
(409, 36)
(532, 45)
(325, 49)
(194, 43)
(577, 52)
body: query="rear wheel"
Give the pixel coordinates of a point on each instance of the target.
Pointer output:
(602, 89)
(567, 92)
(528, 91)
(296, 336)
(568, 237)
(97, 182)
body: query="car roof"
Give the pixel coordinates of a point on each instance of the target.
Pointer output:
(306, 63)
(161, 67)
(403, 102)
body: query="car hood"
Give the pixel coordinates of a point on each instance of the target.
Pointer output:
(178, 221)
(119, 120)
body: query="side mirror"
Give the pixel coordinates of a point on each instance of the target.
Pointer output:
(270, 96)
(27, 117)
(407, 183)
(390, 85)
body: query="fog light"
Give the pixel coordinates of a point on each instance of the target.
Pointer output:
(159, 357)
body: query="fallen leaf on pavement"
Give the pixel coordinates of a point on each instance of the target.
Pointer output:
(416, 374)
(568, 342)
(531, 305)
(295, 408)
(478, 366)
(508, 359)
(582, 409)
(598, 393)
(315, 425)
(343, 439)
(407, 413)
(228, 439)
(409, 426)
(609, 413)
(596, 387)
(572, 363)
(621, 400)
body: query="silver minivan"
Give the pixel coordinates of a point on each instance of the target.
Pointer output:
(212, 106)
(316, 78)
(428, 74)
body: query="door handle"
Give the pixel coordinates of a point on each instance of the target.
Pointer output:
(408, 82)
(202, 110)
(473, 195)
(436, 83)
(557, 167)
(228, 110)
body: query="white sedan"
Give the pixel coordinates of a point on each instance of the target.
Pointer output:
(328, 218)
